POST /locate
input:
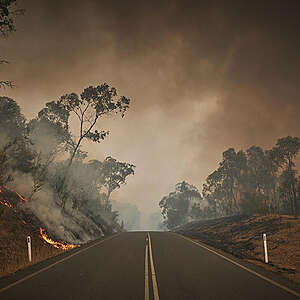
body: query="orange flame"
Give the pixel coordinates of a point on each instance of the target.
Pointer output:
(55, 244)
(20, 196)
(4, 202)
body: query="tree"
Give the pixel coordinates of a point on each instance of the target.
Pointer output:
(12, 122)
(5, 174)
(261, 178)
(111, 174)
(180, 207)
(92, 104)
(256, 181)
(7, 16)
(7, 25)
(88, 108)
(223, 187)
(287, 149)
(48, 139)
(14, 143)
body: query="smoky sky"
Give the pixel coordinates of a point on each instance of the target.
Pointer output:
(202, 75)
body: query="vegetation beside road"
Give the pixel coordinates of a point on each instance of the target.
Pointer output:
(13, 245)
(245, 182)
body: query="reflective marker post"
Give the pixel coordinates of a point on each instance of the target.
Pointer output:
(29, 248)
(265, 248)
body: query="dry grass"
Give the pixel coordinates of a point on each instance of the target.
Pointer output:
(242, 237)
(13, 245)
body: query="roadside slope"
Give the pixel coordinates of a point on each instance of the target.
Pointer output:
(241, 236)
(13, 247)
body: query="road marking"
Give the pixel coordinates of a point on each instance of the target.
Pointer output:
(54, 264)
(146, 271)
(243, 267)
(154, 282)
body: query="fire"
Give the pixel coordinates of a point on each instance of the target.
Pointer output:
(20, 196)
(55, 244)
(4, 202)
(58, 245)
(7, 203)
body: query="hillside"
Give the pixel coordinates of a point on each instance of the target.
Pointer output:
(13, 247)
(16, 223)
(241, 236)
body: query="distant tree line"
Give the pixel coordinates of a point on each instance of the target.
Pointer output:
(245, 182)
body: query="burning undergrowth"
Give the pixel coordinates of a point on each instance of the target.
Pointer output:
(56, 244)
(47, 177)
(15, 201)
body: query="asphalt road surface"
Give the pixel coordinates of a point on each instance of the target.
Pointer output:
(132, 266)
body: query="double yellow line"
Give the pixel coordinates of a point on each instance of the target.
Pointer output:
(154, 281)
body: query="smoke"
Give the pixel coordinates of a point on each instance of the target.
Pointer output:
(129, 214)
(203, 76)
(72, 227)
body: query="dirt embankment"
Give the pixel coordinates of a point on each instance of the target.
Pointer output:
(13, 245)
(241, 236)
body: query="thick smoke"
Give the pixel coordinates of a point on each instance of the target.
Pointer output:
(204, 76)
(129, 214)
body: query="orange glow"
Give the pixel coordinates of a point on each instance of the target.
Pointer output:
(20, 196)
(4, 202)
(55, 244)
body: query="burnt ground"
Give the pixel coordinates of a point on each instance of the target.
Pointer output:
(241, 236)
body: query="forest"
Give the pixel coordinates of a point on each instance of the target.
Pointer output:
(254, 181)
(43, 160)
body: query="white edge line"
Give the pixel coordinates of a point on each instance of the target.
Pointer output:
(154, 282)
(54, 264)
(146, 272)
(243, 267)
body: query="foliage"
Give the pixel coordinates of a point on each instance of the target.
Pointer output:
(245, 182)
(111, 174)
(15, 154)
(87, 108)
(92, 104)
(255, 181)
(45, 151)
(7, 25)
(181, 206)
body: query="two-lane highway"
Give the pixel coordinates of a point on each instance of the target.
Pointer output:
(130, 265)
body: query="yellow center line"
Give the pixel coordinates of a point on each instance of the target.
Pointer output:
(146, 272)
(154, 282)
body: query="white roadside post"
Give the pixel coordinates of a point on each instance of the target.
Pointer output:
(265, 248)
(29, 247)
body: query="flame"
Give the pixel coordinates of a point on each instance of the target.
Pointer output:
(20, 196)
(55, 244)
(4, 202)
(7, 203)
(58, 245)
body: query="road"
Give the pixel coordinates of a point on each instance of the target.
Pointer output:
(116, 269)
